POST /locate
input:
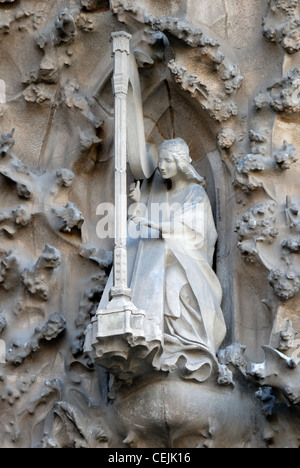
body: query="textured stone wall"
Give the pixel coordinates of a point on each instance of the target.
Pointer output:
(224, 76)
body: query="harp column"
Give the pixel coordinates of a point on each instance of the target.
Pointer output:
(121, 51)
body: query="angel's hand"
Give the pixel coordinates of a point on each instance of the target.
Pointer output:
(140, 220)
(135, 192)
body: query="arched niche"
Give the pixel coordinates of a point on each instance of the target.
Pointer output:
(170, 112)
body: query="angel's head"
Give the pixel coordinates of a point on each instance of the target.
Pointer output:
(174, 160)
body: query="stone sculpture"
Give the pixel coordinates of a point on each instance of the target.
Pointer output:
(186, 294)
(182, 322)
(189, 312)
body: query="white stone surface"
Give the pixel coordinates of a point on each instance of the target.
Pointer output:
(224, 77)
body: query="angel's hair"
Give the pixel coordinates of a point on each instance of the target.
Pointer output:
(181, 154)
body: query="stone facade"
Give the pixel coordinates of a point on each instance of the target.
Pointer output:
(222, 76)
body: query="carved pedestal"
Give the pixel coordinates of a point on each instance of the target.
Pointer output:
(170, 413)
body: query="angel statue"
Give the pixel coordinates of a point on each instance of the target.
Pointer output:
(170, 266)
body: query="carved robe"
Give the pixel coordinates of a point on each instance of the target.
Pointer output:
(173, 281)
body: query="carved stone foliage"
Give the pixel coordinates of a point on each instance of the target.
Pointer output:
(36, 191)
(282, 96)
(282, 25)
(258, 224)
(214, 104)
(256, 169)
(37, 278)
(267, 224)
(41, 225)
(72, 429)
(227, 76)
(209, 73)
(279, 371)
(17, 352)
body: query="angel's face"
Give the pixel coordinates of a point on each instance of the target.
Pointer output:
(167, 165)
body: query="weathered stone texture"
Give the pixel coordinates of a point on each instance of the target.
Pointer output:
(225, 77)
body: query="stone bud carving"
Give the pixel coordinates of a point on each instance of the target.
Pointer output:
(282, 25)
(6, 143)
(233, 362)
(51, 329)
(291, 36)
(87, 141)
(40, 79)
(226, 138)
(47, 72)
(280, 372)
(61, 33)
(286, 156)
(254, 169)
(13, 219)
(37, 278)
(13, 169)
(283, 96)
(258, 224)
(72, 429)
(51, 390)
(287, 338)
(234, 355)
(38, 189)
(54, 326)
(11, 395)
(10, 269)
(292, 219)
(65, 27)
(285, 283)
(38, 93)
(70, 217)
(84, 23)
(72, 98)
(264, 394)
